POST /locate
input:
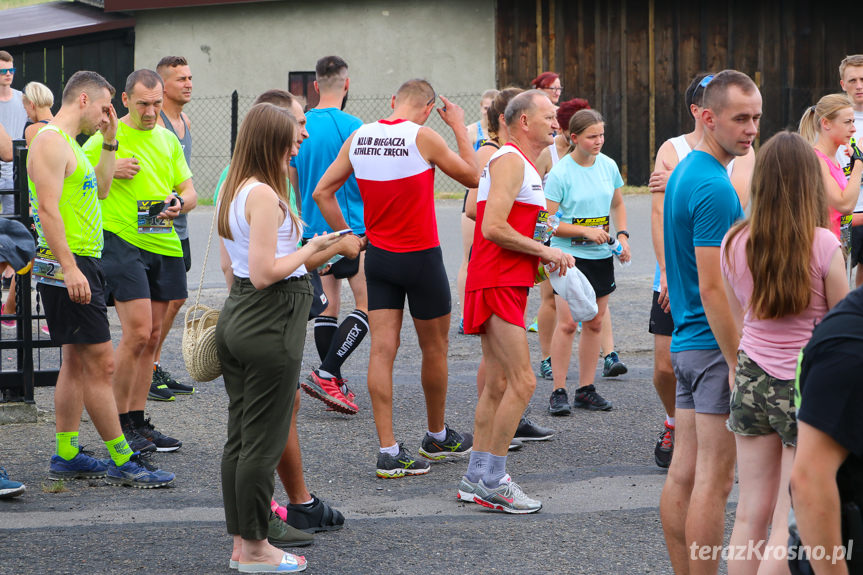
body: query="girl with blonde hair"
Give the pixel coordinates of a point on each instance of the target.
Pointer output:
(826, 126)
(37, 100)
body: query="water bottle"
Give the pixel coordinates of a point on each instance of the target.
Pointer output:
(617, 249)
(331, 261)
(551, 225)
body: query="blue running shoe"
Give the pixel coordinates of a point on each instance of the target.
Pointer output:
(82, 466)
(9, 488)
(138, 473)
(533, 327)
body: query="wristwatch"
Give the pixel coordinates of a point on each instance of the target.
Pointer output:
(111, 147)
(182, 201)
(622, 233)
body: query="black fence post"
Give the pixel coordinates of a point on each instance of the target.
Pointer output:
(17, 385)
(235, 117)
(22, 282)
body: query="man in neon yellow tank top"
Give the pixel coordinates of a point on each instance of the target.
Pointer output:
(143, 258)
(64, 194)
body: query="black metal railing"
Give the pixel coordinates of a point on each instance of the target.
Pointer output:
(27, 372)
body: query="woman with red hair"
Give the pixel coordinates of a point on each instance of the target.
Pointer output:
(548, 82)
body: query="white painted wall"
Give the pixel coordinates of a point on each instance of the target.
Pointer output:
(252, 47)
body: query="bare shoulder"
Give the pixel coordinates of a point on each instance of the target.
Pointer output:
(666, 156)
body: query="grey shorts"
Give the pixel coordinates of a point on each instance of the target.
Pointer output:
(702, 381)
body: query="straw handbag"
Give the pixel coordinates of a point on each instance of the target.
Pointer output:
(199, 333)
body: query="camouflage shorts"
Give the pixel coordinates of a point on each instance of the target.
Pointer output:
(761, 404)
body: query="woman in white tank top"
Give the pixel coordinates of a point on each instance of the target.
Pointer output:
(262, 328)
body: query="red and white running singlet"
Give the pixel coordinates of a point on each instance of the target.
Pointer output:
(491, 265)
(397, 186)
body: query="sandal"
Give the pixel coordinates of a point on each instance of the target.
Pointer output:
(314, 517)
(290, 564)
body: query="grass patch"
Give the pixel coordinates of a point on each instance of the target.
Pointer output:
(58, 486)
(4, 4)
(635, 190)
(449, 195)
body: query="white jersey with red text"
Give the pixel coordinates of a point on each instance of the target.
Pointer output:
(397, 186)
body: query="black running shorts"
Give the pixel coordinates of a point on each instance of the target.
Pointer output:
(660, 322)
(71, 322)
(420, 276)
(600, 274)
(133, 273)
(187, 254)
(856, 245)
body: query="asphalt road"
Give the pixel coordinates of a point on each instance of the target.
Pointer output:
(599, 485)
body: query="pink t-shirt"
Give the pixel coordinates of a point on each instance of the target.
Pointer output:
(775, 343)
(838, 175)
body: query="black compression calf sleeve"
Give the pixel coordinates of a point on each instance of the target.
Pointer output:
(325, 329)
(347, 338)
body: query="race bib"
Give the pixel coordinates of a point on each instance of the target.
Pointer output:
(46, 268)
(149, 221)
(845, 233)
(600, 222)
(539, 229)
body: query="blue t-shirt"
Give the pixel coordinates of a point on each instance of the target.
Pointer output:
(328, 129)
(584, 195)
(700, 207)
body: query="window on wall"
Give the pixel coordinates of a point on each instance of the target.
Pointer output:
(303, 84)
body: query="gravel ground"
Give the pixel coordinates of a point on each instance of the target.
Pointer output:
(596, 477)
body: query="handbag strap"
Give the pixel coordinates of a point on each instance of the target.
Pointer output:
(206, 255)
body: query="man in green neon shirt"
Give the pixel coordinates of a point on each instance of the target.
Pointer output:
(143, 258)
(64, 193)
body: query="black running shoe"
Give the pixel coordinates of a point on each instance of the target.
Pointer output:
(529, 431)
(587, 398)
(455, 443)
(612, 366)
(558, 403)
(161, 376)
(315, 517)
(160, 440)
(390, 467)
(664, 446)
(136, 441)
(160, 392)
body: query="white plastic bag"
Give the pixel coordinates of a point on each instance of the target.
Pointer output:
(577, 291)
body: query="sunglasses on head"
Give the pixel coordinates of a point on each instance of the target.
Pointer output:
(4, 71)
(706, 80)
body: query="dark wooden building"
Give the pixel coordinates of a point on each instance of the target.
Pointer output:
(633, 59)
(50, 42)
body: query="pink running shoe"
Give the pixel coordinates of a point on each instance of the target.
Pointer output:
(328, 391)
(282, 512)
(9, 323)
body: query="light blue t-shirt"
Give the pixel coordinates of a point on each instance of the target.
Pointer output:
(584, 195)
(700, 207)
(328, 129)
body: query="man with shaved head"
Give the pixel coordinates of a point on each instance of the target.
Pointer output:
(394, 163)
(506, 253)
